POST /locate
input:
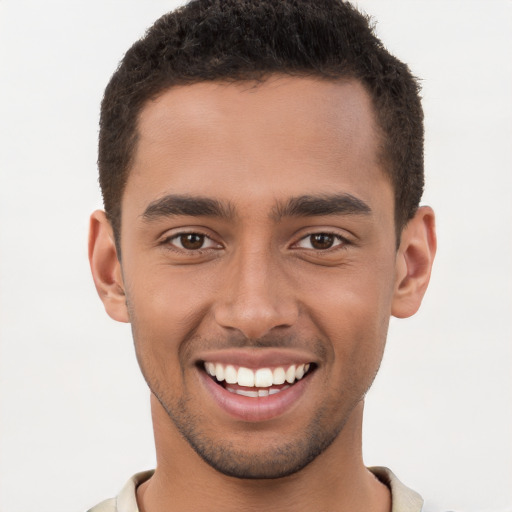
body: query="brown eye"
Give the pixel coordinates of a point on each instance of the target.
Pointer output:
(322, 240)
(188, 242)
(192, 241)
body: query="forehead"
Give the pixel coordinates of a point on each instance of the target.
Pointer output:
(284, 136)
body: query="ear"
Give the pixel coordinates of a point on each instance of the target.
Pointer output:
(414, 262)
(106, 268)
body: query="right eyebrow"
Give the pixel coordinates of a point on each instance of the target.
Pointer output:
(193, 206)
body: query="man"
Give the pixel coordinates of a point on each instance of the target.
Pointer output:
(261, 164)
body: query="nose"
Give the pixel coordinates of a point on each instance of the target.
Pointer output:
(255, 297)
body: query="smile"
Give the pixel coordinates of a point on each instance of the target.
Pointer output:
(258, 385)
(255, 383)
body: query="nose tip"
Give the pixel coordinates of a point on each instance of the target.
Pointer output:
(255, 299)
(256, 318)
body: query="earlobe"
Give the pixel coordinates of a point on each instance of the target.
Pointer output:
(414, 261)
(106, 268)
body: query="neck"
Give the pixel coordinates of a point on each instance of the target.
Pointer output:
(336, 480)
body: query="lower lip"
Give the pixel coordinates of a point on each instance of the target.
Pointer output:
(262, 408)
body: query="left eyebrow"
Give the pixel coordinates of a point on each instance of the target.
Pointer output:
(316, 206)
(175, 205)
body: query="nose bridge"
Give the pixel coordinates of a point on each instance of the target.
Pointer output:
(255, 296)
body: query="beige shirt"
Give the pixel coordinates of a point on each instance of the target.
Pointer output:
(403, 499)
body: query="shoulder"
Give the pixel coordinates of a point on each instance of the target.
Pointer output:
(403, 499)
(126, 500)
(105, 506)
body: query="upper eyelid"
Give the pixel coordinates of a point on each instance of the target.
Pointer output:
(181, 233)
(322, 232)
(339, 236)
(339, 239)
(178, 235)
(214, 244)
(166, 236)
(171, 233)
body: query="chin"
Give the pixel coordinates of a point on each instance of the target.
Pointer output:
(257, 455)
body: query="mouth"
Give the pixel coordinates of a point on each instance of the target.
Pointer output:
(257, 382)
(258, 385)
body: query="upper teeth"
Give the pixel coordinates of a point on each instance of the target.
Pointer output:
(260, 378)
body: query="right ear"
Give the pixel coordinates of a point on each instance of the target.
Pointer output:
(106, 268)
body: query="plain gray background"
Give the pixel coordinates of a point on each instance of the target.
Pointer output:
(74, 412)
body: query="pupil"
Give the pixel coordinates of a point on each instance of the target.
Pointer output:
(322, 241)
(192, 241)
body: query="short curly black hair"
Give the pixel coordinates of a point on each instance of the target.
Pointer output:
(238, 40)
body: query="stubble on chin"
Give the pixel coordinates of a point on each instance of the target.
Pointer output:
(278, 460)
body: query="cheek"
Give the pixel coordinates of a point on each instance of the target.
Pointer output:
(352, 311)
(167, 299)
(165, 311)
(356, 332)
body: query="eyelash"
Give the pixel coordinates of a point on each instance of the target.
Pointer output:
(167, 242)
(342, 241)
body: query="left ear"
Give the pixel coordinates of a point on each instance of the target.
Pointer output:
(414, 262)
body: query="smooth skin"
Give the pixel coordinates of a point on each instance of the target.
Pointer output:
(251, 273)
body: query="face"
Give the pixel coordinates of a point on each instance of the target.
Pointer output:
(259, 265)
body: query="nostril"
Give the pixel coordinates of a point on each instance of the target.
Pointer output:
(258, 311)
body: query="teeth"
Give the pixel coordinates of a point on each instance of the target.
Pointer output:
(219, 372)
(290, 375)
(245, 377)
(279, 376)
(255, 394)
(260, 378)
(244, 392)
(299, 372)
(263, 378)
(231, 374)
(210, 369)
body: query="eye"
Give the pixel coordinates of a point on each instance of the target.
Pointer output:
(191, 241)
(321, 241)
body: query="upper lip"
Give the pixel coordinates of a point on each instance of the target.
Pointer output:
(257, 357)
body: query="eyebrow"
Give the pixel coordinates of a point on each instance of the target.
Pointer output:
(331, 204)
(197, 206)
(302, 206)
